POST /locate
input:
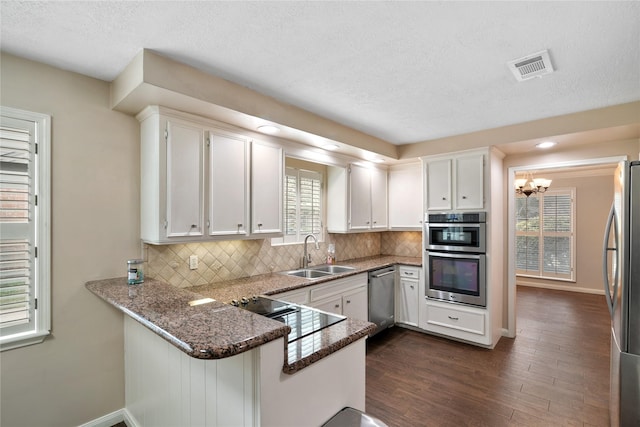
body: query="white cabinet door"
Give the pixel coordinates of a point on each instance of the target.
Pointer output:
(469, 182)
(409, 299)
(228, 184)
(330, 305)
(379, 199)
(355, 304)
(185, 179)
(267, 175)
(405, 197)
(360, 198)
(438, 175)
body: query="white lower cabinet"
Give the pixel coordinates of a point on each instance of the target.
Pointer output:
(355, 303)
(408, 296)
(347, 296)
(330, 305)
(458, 321)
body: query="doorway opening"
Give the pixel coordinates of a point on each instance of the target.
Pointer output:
(511, 224)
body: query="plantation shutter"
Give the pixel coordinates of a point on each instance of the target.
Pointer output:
(303, 198)
(544, 235)
(558, 226)
(527, 234)
(17, 225)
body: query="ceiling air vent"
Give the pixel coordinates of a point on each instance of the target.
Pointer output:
(534, 65)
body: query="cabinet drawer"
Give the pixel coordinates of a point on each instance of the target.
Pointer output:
(462, 320)
(296, 297)
(338, 286)
(409, 273)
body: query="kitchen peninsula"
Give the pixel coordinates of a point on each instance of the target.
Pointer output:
(210, 363)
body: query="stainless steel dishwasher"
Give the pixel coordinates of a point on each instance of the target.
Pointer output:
(381, 298)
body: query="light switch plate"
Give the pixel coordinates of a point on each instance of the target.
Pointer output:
(193, 262)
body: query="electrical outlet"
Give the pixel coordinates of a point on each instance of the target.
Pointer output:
(193, 262)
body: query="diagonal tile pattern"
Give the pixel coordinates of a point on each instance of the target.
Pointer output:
(234, 259)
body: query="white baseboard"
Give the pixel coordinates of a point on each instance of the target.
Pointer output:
(562, 288)
(111, 419)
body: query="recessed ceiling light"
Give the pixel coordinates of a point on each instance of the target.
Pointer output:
(268, 129)
(546, 144)
(331, 147)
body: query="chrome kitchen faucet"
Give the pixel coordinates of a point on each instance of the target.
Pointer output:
(306, 257)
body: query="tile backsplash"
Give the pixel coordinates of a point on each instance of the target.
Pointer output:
(233, 259)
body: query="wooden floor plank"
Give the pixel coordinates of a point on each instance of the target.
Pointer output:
(554, 373)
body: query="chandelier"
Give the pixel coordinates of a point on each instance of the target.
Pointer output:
(530, 185)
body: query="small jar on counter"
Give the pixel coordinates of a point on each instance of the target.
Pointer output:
(135, 271)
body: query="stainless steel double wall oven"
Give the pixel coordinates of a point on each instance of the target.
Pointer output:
(455, 259)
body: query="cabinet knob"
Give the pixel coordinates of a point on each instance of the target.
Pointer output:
(194, 226)
(444, 198)
(453, 318)
(348, 301)
(464, 197)
(411, 286)
(239, 225)
(337, 306)
(259, 225)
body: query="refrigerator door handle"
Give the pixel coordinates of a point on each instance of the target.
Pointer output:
(611, 299)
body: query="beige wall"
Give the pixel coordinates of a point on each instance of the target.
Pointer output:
(76, 374)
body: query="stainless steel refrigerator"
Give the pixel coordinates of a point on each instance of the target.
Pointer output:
(621, 271)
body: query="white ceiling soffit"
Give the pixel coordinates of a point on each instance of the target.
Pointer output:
(403, 72)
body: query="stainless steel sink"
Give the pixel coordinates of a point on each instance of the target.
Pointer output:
(307, 273)
(319, 271)
(333, 269)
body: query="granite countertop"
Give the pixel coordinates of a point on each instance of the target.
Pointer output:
(275, 283)
(216, 330)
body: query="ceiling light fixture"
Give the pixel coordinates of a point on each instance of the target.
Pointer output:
(546, 144)
(530, 185)
(270, 129)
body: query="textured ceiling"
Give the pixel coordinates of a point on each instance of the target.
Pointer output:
(402, 71)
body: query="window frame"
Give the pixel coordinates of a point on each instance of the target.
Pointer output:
(40, 324)
(541, 234)
(299, 237)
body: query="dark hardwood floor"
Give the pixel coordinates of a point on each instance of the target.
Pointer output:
(554, 373)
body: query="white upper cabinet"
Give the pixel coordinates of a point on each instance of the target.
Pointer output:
(405, 197)
(172, 179)
(228, 184)
(267, 176)
(469, 182)
(360, 198)
(195, 189)
(438, 191)
(357, 199)
(379, 199)
(185, 183)
(455, 182)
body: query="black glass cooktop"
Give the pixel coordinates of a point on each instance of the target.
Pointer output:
(302, 320)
